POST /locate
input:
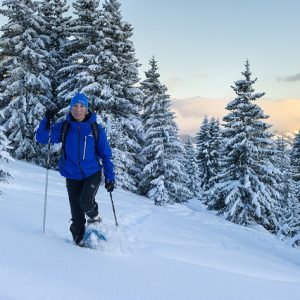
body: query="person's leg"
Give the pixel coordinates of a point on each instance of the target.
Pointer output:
(77, 227)
(88, 193)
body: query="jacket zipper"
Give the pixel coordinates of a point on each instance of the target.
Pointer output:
(79, 151)
(84, 149)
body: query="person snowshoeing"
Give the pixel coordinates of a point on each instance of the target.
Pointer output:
(83, 146)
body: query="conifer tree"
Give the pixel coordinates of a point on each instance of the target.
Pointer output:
(23, 57)
(282, 161)
(201, 139)
(4, 157)
(82, 52)
(191, 168)
(247, 190)
(202, 142)
(163, 173)
(4, 100)
(295, 163)
(289, 209)
(121, 98)
(208, 148)
(102, 65)
(57, 31)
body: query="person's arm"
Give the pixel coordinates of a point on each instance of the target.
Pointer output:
(105, 155)
(42, 133)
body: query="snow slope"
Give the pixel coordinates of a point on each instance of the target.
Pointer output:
(175, 252)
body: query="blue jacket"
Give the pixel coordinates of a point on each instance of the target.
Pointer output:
(81, 159)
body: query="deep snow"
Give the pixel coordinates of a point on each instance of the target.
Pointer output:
(174, 252)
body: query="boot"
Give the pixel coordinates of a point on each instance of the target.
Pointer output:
(95, 221)
(77, 234)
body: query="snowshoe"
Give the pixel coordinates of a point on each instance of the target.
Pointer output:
(93, 237)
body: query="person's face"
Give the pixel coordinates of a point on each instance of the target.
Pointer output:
(78, 112)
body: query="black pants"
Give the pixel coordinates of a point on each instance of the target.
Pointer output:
(82, 201)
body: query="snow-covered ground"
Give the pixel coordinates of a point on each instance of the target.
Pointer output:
(157, 253)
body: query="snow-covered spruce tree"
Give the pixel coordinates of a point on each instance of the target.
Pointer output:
(247, 191)
(101, 64)
(163, 173)
(202, 138)
(4, 100)
(4, 157)
(208, 154)
(82, 51)
(295, 163)
(120, 97)
(282, 161)
(82, 56)
(191, 168)
(24, 52)
(295, 171)
(289, 209)
(57, 32)
(214, 156)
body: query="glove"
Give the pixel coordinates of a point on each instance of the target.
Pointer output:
(110, 186)
(49, 114)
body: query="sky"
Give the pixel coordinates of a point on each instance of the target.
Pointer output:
(201, 48)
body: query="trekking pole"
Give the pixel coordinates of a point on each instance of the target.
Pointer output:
(47, 175)
(107, 131)
(113, 207)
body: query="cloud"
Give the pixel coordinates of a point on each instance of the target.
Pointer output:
(200, 106)
(191, 111)
(290, 78)
(284, 113)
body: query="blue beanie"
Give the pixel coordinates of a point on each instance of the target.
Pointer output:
(79, 98)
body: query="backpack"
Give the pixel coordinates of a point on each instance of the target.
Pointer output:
(64, 131)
